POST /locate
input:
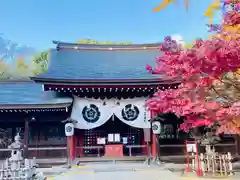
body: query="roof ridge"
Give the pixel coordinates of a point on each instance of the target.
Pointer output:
(77, 45)
(13, 81)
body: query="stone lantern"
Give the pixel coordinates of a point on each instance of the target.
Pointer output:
(16, 167)
(16, 149)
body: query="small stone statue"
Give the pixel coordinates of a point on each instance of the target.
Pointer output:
(16, 148)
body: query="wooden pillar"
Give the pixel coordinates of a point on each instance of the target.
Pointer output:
(26, 137)
(155, 142)
(237, 139)
(144, 149)
(74, 147)
(154, 146)
(80, 143)
(71, 142)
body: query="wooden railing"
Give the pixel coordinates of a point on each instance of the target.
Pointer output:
(180, 149)
(39, 152)
(61, 151)
(98, 148)
(130, 147)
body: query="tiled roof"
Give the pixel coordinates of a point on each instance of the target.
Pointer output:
(100, 64)
(27, 93)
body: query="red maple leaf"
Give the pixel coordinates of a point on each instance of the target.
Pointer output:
(198, 67)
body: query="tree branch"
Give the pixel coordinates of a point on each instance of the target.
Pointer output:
(219, 95)
(233, 83)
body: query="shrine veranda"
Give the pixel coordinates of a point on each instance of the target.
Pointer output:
(101, 87)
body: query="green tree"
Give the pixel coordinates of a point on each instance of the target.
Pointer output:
(4, 70)
(21, 69)
(39, 62)
(9, 51)
(18, 69)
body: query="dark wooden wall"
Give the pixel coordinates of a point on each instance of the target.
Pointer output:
(46, 131)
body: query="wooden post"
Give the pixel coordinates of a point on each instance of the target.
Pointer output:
(224, 164)
(221, 164)
(188, 168)
(193, 168)
(202, 164)
(230, 167)
(71, 147)
(155, 144)
(26, 137)
(80, 151)
(237, 142)
(198, 170)
(147, 139)
(144, 149)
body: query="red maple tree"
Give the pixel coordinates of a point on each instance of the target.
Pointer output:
(202, 70)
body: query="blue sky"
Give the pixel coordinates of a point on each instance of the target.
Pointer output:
(36, 23)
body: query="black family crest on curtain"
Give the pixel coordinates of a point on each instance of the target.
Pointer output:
(91, 113)
(130, 112)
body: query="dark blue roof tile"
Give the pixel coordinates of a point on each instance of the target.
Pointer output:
(27, 93)
(100, 64)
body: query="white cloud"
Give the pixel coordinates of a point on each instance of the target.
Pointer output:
(179, 39)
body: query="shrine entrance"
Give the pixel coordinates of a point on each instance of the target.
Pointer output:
(110, 127)
(113, 132)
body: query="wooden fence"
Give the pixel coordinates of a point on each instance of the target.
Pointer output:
(180, 149)
(214, 164)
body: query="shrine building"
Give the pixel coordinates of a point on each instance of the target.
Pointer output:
(102, 89)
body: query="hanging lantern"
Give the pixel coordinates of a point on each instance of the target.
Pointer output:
(69, 129)
(156, 127)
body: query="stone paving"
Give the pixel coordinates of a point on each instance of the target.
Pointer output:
(111, 171)
(118, 171)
